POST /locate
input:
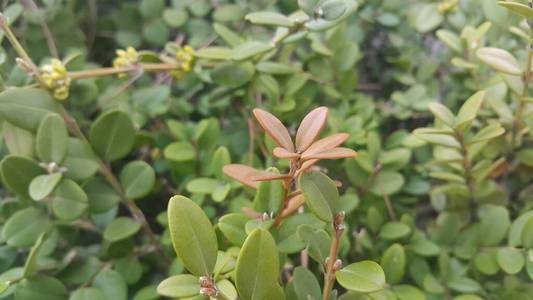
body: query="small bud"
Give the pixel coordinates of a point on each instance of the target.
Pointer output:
(265, 217)
(209, 292)
(337, 265)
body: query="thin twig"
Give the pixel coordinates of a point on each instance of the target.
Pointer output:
(30, 6)
(331, 263)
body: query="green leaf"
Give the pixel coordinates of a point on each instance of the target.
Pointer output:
(495, 222)
(111, 284)
(451, 39)
(121, 228)
(51, 141)
(486, 262)
(439, 137)
(175, 17)
(112, 135)
(41, 287)
(192, 235)
(364, 277)
(10, 275)
(516, 229)
(305, 284)
(202, 185)
(442, 112)
(393, 262)
(30, 266)
(18, 173)
(102, 197)
(257, 268)
(287, 236)
(219, 53)
(309, 6)
(408, 292)
(81, 162)
(179, 286)
(469, 109)
(387, 183)
(180, 151)
(229, 36)
(269, 195)
(89, 293)
(317, 241)
(321, 195)
(269, 18)
(18, 140)
(394, 231)
(428, 17)
(227, 289)
(525, 156)
(500, 60)
(333, 9)
(24, 227)
(511, 260)
(250, 49)
(137, 178)
(26, 107)
(274, 68)
(527, 234)
(425, 247)
(130, 268)
(463, 284)
(233, 74)
(233, 227)
(43, 185)
(70, 201)
(519, 8)
(488, 133)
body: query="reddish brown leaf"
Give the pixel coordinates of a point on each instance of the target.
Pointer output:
(334, 153)
(293, 205)
(250, 213)
(242, 174)
(274, 128)
(306, 165)
(310, 128)
(283, 153)
(326, 143)
(268, 176)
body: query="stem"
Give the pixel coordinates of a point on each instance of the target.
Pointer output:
(286, 187)
(331, 262)
(467, 165)
(517, 124)
(21, 52)
(388, 203)
(106, 172)
(32, 7)
(115, 71)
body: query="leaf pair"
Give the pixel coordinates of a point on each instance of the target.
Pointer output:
(306, 150)
(308, 130)
(195, 242)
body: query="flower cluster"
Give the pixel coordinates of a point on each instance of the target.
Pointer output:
(448, 6)
(126, 58)
(185, 60)
(56, 79)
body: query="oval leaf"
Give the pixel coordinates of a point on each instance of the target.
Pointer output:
(112, 135)
(364, 277)
(192, 235)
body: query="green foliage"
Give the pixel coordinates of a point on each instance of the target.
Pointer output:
(236, 111)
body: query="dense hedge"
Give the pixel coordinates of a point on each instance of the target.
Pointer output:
(264, 150)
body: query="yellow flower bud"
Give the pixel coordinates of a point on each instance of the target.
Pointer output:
(126, 58)
(55, 76)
